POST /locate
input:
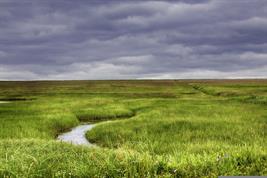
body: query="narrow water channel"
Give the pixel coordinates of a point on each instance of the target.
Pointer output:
(77, 135)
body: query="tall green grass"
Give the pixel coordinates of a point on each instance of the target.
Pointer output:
(156, 129)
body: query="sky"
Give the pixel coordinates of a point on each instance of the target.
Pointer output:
(107, 39)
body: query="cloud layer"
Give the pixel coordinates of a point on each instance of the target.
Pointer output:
(133, 39)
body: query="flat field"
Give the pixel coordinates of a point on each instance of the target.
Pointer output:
(161, 128)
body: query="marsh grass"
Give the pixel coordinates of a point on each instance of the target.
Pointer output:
(102, 113)
(157, 129)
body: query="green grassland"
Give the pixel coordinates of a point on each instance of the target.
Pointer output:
(162, 128)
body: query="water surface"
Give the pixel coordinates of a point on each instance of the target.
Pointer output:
(77, 135)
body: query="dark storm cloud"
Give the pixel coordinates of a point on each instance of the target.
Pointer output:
(133, 39)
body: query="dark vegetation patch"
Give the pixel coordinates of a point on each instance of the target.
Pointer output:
(151, 95)
(254, 99)
(189, 93)
(205, 91)
(213, 92)
(17, 99)
(99, 118)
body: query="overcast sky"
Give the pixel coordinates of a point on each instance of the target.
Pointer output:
(104, 39)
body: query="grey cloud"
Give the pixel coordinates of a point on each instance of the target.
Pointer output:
(132, 39)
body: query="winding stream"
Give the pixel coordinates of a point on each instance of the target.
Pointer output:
(77, 135)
